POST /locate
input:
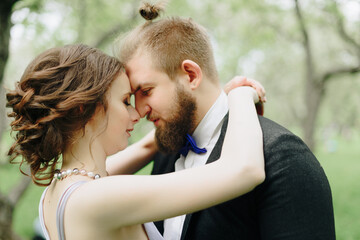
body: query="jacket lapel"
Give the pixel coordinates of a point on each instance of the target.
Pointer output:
(215, 154)
(167, 166)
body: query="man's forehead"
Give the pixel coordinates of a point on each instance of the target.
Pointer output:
(137, 84)
(141, 72)
(132, 78)
(141, 79)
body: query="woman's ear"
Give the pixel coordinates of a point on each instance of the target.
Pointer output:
(193, 72)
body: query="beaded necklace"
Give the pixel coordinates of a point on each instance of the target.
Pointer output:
(60, 175)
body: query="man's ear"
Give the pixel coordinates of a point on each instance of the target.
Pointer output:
(193, 71)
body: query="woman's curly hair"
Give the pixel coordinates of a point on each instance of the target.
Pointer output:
(55, 98)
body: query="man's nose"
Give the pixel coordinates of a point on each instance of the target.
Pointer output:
(142, 107)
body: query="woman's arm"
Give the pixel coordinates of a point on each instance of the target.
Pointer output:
(133, 199)
(134, 157)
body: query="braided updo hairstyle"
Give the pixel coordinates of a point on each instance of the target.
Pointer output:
(55, 98)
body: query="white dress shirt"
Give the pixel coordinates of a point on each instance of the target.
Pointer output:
(206, 135)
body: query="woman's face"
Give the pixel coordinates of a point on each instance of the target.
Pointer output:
(120, 117)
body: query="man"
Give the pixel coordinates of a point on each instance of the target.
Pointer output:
(172, 72)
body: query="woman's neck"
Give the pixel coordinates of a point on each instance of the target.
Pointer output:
(85, 155)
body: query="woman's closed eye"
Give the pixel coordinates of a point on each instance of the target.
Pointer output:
(126, 101)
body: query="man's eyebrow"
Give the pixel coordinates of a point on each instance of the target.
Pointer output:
(137, 88)
(141, 86)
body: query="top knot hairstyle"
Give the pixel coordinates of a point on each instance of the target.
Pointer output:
(151, 11)
(55, 98)
(169, 41)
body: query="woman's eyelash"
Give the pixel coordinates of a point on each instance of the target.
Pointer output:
(127, 102)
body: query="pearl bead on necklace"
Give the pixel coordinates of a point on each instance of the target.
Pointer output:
(60, 175)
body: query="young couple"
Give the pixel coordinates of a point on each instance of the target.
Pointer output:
(73, 103)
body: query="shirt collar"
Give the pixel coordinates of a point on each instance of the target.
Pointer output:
(208, 125)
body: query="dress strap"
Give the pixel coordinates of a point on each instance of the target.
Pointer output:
(41, 215)
(61, 208)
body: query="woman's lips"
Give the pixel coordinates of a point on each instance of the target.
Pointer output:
(128, 132)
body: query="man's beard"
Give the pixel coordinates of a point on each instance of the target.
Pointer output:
(170, 137)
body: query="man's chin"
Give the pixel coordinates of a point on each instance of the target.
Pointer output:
(164, 148)
(168, 142)
(170, 134)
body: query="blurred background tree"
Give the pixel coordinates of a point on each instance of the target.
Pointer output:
(306, 53)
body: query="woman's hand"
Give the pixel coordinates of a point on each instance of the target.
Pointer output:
(239, 81)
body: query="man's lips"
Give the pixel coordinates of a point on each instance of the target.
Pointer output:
(156, 121)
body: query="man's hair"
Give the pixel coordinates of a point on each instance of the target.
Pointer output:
(169, 41)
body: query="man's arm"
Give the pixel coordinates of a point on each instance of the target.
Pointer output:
(134, 157)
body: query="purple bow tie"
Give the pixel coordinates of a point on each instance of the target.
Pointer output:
(191, 145)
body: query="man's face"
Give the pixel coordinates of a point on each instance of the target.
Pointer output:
(163, 101)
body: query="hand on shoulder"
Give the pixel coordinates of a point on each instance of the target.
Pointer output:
(240, 81)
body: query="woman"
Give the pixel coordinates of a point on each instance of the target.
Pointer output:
(74, 103)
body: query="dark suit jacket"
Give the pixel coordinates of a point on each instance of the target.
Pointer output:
(294, 202)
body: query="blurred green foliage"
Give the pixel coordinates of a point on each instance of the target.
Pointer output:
(258, 38)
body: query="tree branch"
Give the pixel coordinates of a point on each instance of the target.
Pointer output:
(82, 20)
(306, 42)
(283, 33)
(114, 31)
(34, 6)
(341, 28)
(2, 197)
(19, 190)
(346, 70)
(7, 5)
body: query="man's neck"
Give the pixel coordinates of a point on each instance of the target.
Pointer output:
(206, 97)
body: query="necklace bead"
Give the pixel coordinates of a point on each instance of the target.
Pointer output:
(60, 175)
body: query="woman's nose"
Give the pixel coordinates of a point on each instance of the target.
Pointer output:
(134, 115)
